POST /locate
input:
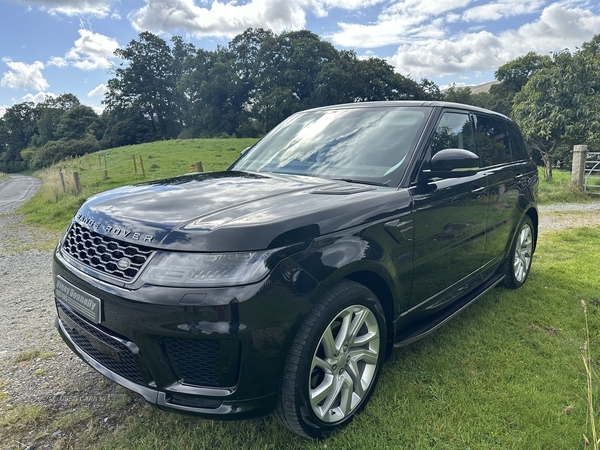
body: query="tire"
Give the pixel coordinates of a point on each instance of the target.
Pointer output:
(341, 341)
(518, 262)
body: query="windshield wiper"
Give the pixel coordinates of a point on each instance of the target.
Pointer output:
(371, 183)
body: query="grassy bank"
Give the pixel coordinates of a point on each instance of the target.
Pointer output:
(3, 177)
(54, 206)
(505, 374)
(560, 189)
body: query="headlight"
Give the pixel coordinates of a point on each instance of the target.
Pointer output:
(206, 269)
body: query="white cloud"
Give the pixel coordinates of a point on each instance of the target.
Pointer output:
(475, 51)
(24, 76)
(222, 19)
(3, 109)
(558, 27)
(400, 23)
(351, 4)
(39, 97)
(57, 61)
(98, 90)
(91, 51)
(97, 8)
(98, 109)
(502, 8)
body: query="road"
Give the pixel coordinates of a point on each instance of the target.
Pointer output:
(16, 191)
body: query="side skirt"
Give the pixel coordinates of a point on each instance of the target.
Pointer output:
(442, 317)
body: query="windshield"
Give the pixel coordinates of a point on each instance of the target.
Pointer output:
(355, 144)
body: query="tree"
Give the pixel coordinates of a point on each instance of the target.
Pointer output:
(215, 93)
(78, 122)
(147, 81)
(513, 76)
(286, 68)
(560, 103)
(18, 126)
(466, 96)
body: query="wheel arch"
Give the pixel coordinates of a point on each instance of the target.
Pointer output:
(379, 286)
(533, 215)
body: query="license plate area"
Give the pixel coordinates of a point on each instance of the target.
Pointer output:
(78, 300)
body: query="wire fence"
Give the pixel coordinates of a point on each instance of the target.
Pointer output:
(81, 175)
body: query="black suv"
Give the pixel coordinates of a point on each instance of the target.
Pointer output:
(283, 283)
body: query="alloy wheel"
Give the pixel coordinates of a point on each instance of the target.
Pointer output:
(523, 252)
(344, 364)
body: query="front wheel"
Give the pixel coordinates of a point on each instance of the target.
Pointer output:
(518, 262)
(334, 362)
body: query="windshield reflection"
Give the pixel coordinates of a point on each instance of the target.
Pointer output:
(371, 144)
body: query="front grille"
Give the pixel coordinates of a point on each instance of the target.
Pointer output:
(103, 253)
(124, 366)
(197, 362)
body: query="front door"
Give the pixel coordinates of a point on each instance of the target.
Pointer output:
(450, 217)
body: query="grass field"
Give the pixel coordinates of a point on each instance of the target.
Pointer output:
(53, 208)
(560, 189)
(3, 177)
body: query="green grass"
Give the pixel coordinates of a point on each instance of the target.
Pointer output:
(53, 209)
(27, 356)
(560, 189)
(22, 418)
(3, 177)
(505, 374)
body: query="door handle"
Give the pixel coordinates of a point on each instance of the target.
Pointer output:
(478, 190)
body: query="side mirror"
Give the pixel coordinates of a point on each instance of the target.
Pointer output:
(453, 163)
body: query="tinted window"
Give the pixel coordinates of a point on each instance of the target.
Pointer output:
(453, 131)
(517, 145)
(493, 140)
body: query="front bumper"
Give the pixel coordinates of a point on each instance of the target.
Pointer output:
(194, 401)
(220, 358)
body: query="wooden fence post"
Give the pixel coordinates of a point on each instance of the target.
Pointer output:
(77, 183)
(199, 166)
(142, 164)
(134, 164)
(62, 180)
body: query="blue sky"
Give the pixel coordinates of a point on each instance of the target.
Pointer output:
(51, 47)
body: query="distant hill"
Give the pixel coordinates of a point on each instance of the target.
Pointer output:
(485, 87)
(476, 89)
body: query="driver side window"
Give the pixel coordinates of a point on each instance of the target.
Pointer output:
(453, 131)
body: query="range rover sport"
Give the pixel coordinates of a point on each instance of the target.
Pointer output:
(283, 283)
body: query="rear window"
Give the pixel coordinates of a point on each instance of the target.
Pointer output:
(494, 143)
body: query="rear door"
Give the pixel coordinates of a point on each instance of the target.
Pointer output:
(506, 163)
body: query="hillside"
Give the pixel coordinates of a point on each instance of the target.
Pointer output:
(55, 205)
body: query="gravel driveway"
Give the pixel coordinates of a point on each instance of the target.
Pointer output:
(36, 367)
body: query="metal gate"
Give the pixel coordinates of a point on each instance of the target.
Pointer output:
(591, 179)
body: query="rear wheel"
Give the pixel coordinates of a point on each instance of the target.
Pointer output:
(334, 362)
(518, 263)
